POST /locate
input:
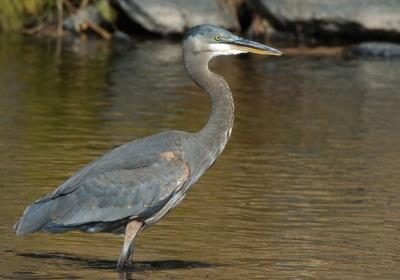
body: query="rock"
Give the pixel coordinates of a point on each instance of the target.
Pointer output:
(120, 36)
(361, 18)
(376, 49)
(175, 16)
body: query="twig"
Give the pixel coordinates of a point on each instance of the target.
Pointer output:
(84, 3)
(96, 28)
(100, 30)
(35, 29)
(59, 17)
(70, 6)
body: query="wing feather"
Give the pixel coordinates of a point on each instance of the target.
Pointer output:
(110, 196)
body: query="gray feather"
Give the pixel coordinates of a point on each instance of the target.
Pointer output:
(133, 180)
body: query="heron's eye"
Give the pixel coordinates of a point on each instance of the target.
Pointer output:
(217, 37)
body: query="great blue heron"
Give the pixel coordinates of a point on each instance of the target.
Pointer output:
(133, 186)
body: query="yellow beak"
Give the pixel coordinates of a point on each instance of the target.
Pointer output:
(253, 47)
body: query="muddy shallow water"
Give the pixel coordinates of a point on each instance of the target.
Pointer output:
(307, 188)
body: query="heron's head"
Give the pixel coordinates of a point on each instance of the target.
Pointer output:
(215, 41)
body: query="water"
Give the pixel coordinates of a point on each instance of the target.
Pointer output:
(306, 189)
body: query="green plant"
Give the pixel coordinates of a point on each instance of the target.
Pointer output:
(14, 15)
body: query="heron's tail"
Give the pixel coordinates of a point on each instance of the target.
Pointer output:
(34, 218)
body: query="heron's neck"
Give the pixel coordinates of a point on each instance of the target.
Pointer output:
(216, 132)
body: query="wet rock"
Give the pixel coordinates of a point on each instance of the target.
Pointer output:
(175, 16)
(120, 36)
(359, 18)
(376, 49)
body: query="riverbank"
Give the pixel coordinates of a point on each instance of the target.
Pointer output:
(309, 24)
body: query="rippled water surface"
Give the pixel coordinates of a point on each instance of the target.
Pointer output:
(307, 188)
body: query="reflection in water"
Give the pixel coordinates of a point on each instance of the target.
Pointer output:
(306, 189)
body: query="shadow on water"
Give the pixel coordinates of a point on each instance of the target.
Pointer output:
(138, 266)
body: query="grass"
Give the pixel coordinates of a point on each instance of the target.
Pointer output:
(16, 15)
(19, 15)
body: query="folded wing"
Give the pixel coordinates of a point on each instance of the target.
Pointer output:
(135, 193)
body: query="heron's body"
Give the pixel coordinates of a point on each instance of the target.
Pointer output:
(135, 185)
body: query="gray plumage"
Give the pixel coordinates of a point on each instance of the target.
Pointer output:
(139, 182)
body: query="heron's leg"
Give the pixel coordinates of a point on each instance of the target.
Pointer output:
(129, 255)
(131, 231)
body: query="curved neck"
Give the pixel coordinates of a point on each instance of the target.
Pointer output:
(217, 131)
